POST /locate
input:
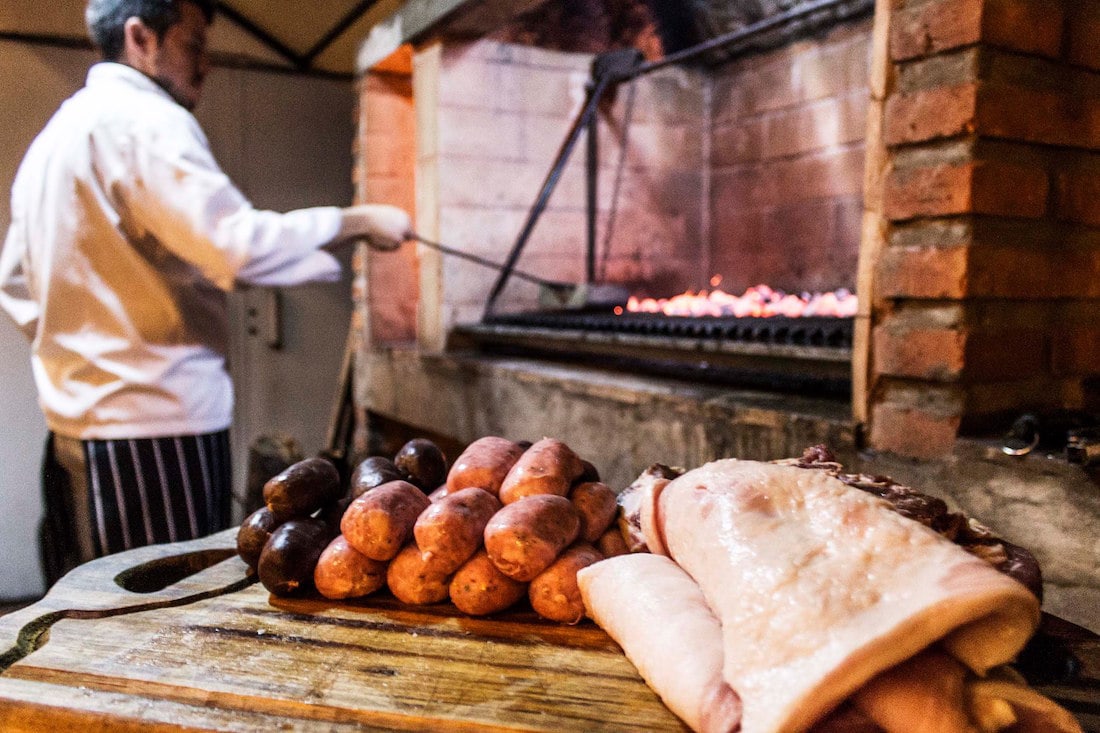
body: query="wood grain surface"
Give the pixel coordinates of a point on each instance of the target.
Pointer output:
(215, 652)
(176, 637)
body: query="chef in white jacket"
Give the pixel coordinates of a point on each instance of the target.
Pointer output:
(125, 238)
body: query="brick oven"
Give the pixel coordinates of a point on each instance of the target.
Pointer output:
(940, 158)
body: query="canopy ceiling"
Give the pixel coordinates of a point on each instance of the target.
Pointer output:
(342, 37)
(317, 36)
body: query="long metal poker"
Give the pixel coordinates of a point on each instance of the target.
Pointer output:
(551, 284)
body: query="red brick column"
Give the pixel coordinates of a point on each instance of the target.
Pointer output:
(987, 291)
(387, 289)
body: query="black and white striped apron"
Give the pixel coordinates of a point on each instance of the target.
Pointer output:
(133, 492)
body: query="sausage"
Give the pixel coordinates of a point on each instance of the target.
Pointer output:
(344, 572)
(416, 578)
(524, 537)
(611, 543)
(484, 464)
(596, 503)
(380, 521)
(422, 463)
(302, 488)
(588, 473)
(479, 588)
(254, 533)
(370, 473)
(290, 555)
(547, 467)
(554, 592)
(451, 529)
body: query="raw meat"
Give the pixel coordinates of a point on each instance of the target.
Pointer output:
(658, 615)
(819, 587)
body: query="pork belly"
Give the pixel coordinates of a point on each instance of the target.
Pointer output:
(658, 615)
(819, 587)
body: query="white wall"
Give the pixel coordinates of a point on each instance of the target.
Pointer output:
(287, 141)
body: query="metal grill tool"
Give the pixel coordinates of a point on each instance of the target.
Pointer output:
(552, 293)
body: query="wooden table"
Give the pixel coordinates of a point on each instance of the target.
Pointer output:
(175, 637)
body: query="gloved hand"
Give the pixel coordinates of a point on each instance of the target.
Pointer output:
(384, 227)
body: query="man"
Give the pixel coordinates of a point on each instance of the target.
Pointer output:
(125, 237)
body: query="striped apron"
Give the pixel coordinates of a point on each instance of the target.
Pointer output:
(105, 496)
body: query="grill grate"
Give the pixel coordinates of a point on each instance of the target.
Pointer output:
(809, 355)
(779, 330)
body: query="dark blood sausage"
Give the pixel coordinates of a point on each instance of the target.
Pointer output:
(253, 534)
(333, 512)
(554, 592)
(484, 464)
(422, 464)
(372, 472)
(590, 472)
(524, 537)
(452, 528)
(344, 572)
(302, 488)
(416, 578)
(479, 588)
(547, 467)
(290, 556)
(596, 503)
(380, 521)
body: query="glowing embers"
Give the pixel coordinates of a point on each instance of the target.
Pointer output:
(757, 301)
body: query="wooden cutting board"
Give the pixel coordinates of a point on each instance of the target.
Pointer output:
(214, 651)
(175, 637)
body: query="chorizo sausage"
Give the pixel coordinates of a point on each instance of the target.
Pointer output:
(524, 537)
(380, 521)
(554, 592)
(451, 529)
(484, 464)
(417, 579)
(597, 504)
(611, 543)
(344, 572)
(479, 588)
(547, 467)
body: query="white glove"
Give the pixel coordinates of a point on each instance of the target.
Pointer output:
(384, 227)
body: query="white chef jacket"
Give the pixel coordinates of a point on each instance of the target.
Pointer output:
(125, 237)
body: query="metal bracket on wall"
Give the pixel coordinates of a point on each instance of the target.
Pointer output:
(264, 314)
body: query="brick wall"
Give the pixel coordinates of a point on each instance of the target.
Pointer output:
(987, 290)
(502, 113)
(386, 287)
(787, 163)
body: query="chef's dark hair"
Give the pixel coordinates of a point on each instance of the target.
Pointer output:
(106, 20)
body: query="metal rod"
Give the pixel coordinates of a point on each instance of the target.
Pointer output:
(344, 23)
(586, 116)
(592, 173)
(262, 35)
(494, 265)
(795, 13)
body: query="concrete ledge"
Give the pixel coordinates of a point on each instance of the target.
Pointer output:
(620, 422)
